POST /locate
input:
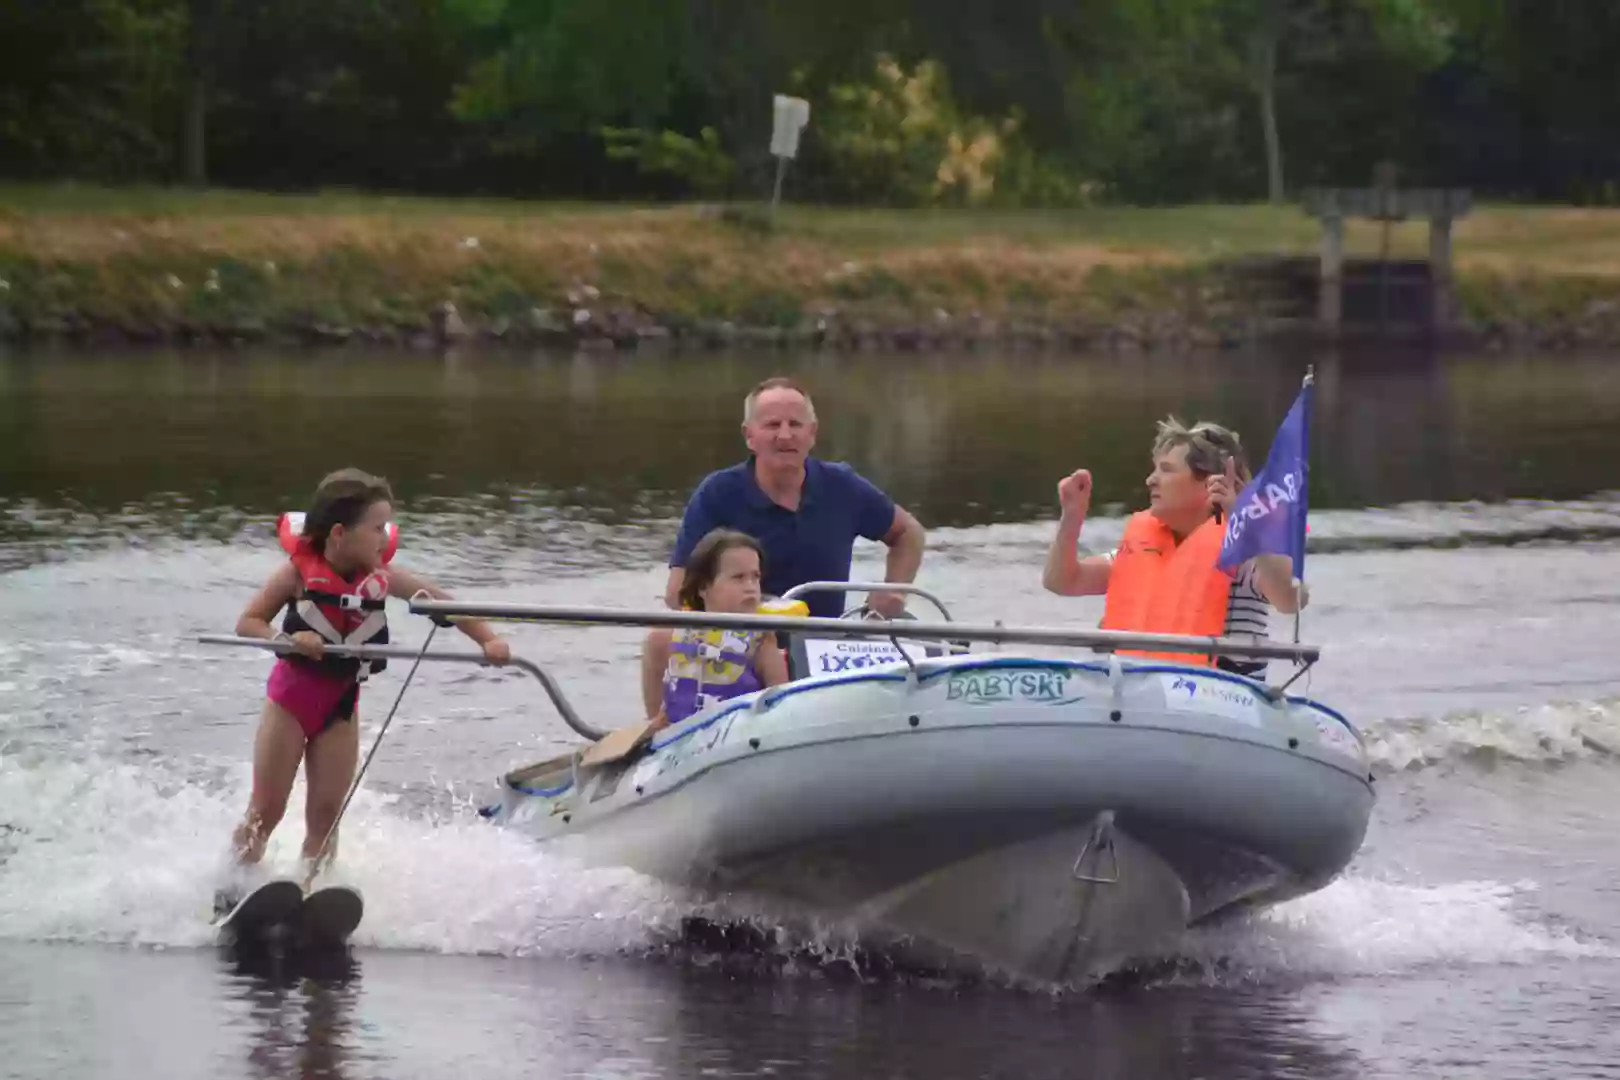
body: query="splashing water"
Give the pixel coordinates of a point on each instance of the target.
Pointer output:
(1362, 926)
(1543, 733)
(114, 852)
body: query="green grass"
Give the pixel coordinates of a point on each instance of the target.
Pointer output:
(143, 201)
(1199, 231)
(1493, 233)
(245, 259)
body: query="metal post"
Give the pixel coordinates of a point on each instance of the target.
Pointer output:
(1308, 386)
(1330, 300)
(1440, 270)
(776, 192)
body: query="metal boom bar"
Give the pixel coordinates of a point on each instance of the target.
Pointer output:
(1100, 640)
(400, 652)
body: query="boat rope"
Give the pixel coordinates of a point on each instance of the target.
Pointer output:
(326, 842)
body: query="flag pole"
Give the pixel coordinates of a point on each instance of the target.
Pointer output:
(1305, 481)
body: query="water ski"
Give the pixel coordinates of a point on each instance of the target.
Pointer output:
(275, 903)
(330, 915)
(618, 745)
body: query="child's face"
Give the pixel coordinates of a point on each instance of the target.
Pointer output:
(735, 587)
(362, 544)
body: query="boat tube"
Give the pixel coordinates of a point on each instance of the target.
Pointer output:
(1048, 818)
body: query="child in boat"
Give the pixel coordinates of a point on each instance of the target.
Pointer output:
(334, 588)
(685, 671)
(1248, 604)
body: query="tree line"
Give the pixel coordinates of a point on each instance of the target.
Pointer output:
(914, 102)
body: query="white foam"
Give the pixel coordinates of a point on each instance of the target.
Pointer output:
(1552, 732)
(469, 887)
(108, 852)
(1367, 926)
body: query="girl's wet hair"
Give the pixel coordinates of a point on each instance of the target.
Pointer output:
(342, 498)
(704, 564)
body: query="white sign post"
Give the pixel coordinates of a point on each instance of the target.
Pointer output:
(789, 116)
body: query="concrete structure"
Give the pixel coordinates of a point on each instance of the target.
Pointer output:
(1386, 203)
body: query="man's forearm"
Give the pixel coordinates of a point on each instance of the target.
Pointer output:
(906, 554)
(672, 586)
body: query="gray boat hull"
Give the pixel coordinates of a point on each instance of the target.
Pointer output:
(1044, 818)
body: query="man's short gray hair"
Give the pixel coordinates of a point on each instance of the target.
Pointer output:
(778, 382)
(1208, 446)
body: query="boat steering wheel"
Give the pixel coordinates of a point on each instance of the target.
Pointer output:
(865, 612)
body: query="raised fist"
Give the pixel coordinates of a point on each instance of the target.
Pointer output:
(1074, 492)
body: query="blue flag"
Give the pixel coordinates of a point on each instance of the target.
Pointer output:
(1269, 516)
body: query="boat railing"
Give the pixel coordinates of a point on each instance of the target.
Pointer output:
(949, 632)
(1104, 641)
(399, 652)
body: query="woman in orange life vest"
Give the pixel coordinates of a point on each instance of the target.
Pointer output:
(1163, 579)
(334, 587)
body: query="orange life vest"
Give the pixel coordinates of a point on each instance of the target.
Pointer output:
(1157, 586)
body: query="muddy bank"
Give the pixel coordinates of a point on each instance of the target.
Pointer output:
(608, 327)
(688, 282)
(631, 327)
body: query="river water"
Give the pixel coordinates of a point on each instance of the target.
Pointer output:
(1465, 530)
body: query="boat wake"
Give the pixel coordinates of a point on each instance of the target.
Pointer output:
(1541, 734)
(109, 851)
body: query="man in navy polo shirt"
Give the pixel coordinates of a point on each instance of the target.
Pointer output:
(805, 512)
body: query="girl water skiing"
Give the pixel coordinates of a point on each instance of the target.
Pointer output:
(334, 587)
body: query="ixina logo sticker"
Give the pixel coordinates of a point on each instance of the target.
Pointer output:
(1000, 687)
(835, 657)
(1187, 693)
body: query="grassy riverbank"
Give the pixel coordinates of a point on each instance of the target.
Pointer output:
(151, 264)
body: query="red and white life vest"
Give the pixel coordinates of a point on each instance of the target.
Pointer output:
(341, 611)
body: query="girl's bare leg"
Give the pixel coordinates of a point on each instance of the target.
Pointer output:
(329, 764)
(277, 749)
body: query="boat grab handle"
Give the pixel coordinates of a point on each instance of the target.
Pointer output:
(869, 587)
(1102, 835)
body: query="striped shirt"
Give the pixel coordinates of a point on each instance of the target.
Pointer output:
(1248, 618)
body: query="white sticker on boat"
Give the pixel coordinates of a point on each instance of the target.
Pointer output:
(1048, 686)
(1336, 736)
(832, 656)
(1205, 694)
(650, 767)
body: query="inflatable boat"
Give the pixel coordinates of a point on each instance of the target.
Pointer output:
(1047, 818)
